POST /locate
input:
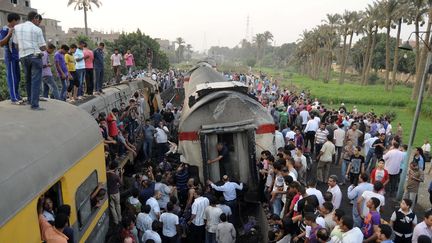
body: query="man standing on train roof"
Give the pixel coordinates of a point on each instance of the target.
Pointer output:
(223, 158)
(11, 58)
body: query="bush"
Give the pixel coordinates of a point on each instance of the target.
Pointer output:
(373, 78)
(390, 114)
(251, 62)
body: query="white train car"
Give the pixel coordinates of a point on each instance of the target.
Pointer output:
(216, 110)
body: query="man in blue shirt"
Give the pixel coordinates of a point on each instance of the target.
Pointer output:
(98, 65)
(11, 57)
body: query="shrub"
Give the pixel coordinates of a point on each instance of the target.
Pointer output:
(373, 78)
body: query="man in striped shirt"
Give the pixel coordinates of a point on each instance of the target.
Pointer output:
(320, 137)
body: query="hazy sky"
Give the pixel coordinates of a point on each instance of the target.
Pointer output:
(203, 23)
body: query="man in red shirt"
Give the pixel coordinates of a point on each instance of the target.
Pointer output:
(88, 59)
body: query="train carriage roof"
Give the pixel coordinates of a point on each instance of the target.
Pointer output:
(224, 107)
(38, 147)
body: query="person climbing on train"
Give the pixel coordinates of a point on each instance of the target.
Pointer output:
(229, 190)
(223, 158)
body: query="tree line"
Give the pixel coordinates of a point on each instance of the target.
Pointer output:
(317, 48)
(257, 52)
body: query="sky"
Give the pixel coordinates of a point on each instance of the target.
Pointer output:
(203, 23)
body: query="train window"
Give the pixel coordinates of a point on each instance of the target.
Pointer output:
(83, 198)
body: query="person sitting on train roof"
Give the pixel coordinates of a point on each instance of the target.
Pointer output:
(55, 234)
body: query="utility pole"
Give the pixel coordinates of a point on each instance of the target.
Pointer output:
(402, 181)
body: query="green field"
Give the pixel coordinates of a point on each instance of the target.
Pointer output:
(365, 98)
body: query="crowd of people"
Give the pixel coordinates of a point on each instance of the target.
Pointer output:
(319, 152)
(300, 185)
(164, 202)
(75, 72)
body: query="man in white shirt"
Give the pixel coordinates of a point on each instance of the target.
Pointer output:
(423, 228)
(154, 205)
(393, 160)
(225, 232)
(170, 224)
(80, 67)
(335, 190)
(304, 114)
(31, 43)
(144, 221)
(310, 131)
(369, 150)
(350, 234)
(362, 209)
(289, 135)
(229, 190)
(426, 151)
(152, 234)
(116, 64)
(161, 136)
(196, 222)
(338, 138)
(311, 190)
(211, 217)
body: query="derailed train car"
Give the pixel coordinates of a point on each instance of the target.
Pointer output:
(113, 96)
(216, 110)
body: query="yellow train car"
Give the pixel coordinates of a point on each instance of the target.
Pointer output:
(57, 152)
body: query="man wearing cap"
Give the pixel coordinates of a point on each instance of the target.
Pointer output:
(229, 192)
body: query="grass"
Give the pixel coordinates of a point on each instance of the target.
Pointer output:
(365, 98)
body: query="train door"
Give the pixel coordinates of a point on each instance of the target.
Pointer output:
(241, 148)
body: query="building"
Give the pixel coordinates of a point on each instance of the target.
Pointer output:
(53, 32)
(96, 36)
(21, 7)
(165, 45)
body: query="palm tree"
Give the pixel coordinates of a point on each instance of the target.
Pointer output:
(389, 8)
(418, 10)
(348, 25)
(189, 50)
(424, 51)
(180, 49)
(400, 15)
(260, 41)
(84, 5)
(268, 36)
(371, 21)
(331, 33)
